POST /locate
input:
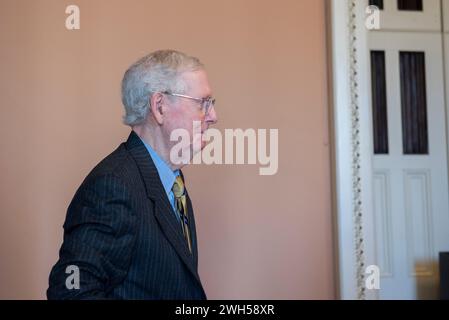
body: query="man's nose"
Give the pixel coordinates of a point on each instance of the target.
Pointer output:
(211, 116)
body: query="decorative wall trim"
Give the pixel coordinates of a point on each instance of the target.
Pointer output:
(356, 165)
(352, 146)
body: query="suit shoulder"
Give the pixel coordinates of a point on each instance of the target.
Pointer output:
(117, 163)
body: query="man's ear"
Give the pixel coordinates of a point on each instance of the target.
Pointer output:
(157, 107)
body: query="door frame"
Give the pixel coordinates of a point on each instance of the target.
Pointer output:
(352, 144)
(351, 133)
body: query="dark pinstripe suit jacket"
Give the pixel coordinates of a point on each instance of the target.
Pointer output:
(122, 234)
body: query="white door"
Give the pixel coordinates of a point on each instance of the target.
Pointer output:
(427, 18)
(446, 54)
(410, 161)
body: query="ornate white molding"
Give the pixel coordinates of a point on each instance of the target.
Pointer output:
(356, 156)
(352, 137)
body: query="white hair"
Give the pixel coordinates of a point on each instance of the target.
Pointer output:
(159, 71)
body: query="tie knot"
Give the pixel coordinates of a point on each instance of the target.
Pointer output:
(178, 187)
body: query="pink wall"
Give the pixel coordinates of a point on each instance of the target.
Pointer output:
(259, 237)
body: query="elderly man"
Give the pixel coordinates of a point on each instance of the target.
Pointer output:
(130, 229)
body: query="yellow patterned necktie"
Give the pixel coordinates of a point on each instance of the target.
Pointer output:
(181, 207)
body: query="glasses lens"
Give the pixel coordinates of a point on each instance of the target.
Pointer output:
(207, 104)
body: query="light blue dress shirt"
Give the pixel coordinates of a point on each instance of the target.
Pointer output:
(166, 174)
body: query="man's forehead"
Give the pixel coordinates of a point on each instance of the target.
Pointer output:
(197, 82)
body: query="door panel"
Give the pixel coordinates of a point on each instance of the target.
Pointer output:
(393, 18)
(411, 190)
(446, 15)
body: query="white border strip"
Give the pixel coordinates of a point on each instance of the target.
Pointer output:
(352, 146)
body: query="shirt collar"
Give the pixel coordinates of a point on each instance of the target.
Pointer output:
(166, 174)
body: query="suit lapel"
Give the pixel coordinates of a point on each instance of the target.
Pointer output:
(192, 225)
(163, 210)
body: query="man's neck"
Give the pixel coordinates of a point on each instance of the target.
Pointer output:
(153, 137)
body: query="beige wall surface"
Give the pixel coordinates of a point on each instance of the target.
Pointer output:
(260, 237)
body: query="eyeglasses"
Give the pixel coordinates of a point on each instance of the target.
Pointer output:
(206, 103)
